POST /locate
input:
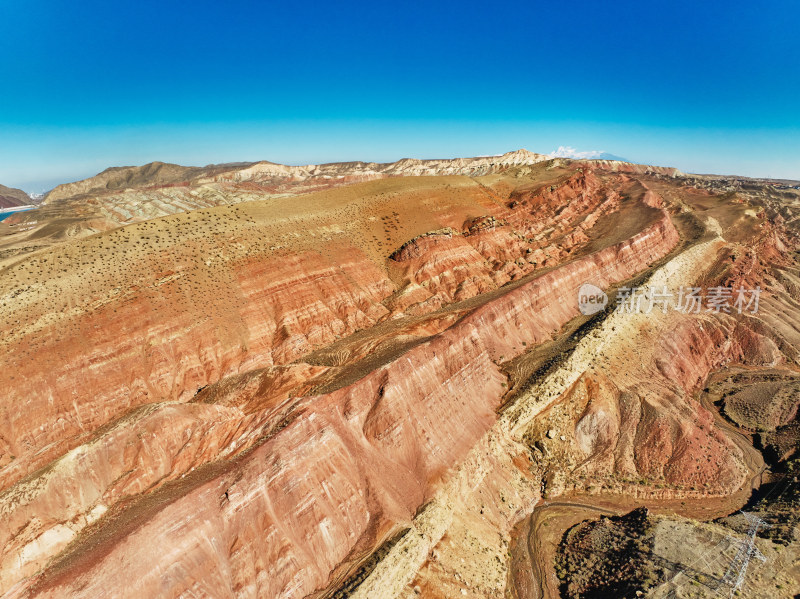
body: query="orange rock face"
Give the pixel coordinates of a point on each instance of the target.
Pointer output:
(247, 401)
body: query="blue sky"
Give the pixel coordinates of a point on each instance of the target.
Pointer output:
(704, 86)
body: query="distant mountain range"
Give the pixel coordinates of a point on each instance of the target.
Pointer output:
(11, 197)
(161, 175)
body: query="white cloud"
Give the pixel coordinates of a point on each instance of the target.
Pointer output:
(570, 152)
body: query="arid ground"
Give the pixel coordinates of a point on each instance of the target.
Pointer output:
(376, 380)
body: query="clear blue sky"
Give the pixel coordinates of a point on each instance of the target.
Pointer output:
(705, 86)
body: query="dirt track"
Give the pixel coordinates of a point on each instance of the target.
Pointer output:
(537, 537)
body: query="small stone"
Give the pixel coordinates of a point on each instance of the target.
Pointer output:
(551, 434)
(563, 438)
(463, 591)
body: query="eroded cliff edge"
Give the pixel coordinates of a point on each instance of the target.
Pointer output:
(260, 487)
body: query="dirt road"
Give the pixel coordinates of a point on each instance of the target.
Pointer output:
(536, 538)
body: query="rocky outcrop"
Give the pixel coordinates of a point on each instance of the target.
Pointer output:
(258, 310)
(539, 227)
(269, 391)
(406, 167)
(378, 448)
(275, 312)
(569, 433)
(620, 166)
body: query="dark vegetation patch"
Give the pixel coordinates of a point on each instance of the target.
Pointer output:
(608, 557)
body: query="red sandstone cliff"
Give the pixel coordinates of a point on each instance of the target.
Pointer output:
(370, 451)
(266, 395)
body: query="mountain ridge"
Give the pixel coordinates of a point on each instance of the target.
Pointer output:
(11, 197)
(264, 172)
(161, 173)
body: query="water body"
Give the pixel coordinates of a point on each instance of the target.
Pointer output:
(6, 212)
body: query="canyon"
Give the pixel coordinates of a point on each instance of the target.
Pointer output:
(375, 380)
